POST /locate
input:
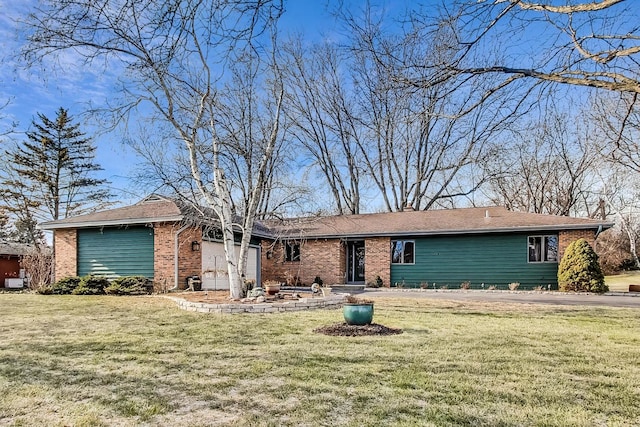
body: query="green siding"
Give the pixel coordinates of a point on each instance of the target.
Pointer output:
(496, 259)
(116, 252)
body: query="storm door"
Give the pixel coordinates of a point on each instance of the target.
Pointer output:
(355, 261)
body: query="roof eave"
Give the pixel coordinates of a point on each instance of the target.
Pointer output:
(53, 225)
(457, 232)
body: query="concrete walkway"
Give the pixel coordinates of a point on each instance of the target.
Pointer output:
(630, 300)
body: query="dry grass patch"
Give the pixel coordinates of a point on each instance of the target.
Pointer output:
(69, 360)
(621, 282)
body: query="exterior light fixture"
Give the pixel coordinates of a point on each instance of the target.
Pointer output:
(195, 246)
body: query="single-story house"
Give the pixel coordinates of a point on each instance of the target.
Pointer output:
(11, 272)
(437, 248)
(490, 246)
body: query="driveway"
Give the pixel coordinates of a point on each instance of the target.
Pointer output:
(554, 298)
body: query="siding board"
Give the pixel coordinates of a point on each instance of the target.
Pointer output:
(116, 252)
(496, 259)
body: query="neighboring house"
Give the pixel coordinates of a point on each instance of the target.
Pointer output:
(158, 238)
(11, 273)
(490, 246)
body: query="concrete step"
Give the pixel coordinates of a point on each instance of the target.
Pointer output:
(347, 288)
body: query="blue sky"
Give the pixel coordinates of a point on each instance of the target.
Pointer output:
(72, 86)
(68, 85)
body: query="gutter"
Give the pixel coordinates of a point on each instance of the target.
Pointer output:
(175, 257)
(53, 225)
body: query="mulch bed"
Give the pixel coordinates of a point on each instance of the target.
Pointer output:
(344, 330)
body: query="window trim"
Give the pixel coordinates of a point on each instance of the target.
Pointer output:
(543, 248)
(402, 255)
(287, 244)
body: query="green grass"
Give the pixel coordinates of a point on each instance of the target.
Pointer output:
(621, 282)
(92, 361)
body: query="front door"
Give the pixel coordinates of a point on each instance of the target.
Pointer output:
(355, 261)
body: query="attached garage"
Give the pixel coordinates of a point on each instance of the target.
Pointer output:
(214, 266)
(116, 251)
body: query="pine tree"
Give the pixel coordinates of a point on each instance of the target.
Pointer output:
(50, 176)
(4, 225)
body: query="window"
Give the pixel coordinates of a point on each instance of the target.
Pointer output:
(402, 251)
(291, 251)
(543, 248)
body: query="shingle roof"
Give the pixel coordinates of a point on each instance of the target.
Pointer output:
(13, 248)
(151, 209)
(446, 221)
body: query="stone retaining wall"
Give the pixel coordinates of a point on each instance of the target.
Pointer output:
(332, 301)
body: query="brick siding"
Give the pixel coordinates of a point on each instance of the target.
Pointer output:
(66, 253)
(189, 262)
(323, 257)
(565, 238)
(377, 259)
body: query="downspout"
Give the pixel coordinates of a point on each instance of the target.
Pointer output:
(598, 232)
(175, 258)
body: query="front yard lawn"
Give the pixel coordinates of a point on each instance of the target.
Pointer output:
(621, 282)
(91, 361)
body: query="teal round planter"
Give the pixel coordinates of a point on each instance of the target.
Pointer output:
(357, 314)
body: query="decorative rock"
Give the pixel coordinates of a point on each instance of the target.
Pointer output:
(260, 306)
(256, 292)
(260, 299)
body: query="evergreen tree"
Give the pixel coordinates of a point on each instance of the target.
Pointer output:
(4, 225)
(50, 176)
(579, 269)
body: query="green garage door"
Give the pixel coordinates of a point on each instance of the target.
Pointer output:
(116, 252)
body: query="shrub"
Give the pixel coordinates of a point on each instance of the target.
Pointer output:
(133, 285)
(465, 285)
(514, 285)
(65, 286)
(579, 269)
(614, 254)
(38, 268)
(247, 287)
(377, 283)
(45, 290)
(91, 285)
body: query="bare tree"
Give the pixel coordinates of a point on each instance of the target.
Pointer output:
(623, 201)
(619, 123)
(322, 112)
(549, 167)
(174, 56)
(425, 131)
(585, 43)
(244, 109)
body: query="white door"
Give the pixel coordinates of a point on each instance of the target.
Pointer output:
(214, 266)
